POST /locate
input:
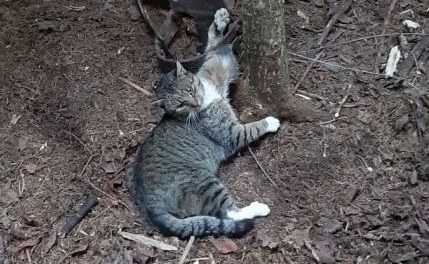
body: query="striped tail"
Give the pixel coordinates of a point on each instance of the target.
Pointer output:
(200, 226)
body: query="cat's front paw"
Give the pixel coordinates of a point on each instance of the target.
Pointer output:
(221, 19)
(259, 209)
(273, 124)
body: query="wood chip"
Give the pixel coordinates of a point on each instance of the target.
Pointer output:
(147, 241)
(392, 61)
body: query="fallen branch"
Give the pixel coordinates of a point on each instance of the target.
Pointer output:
(146, 241)
(187, 248)
(262, 169)
(333, 20)
(73, 220)
(380, 46)
(135, 86)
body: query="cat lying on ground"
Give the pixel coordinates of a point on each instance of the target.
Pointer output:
(175, 176)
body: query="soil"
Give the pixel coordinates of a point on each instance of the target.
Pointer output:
(353, 190)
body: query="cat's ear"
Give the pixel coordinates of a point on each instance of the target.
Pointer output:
(180, 70)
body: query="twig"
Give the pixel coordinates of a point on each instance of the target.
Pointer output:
(313, 252)
(150, 242)
(187, 248)
(311, 95)
(135, 86)
(354, 69)
(380, 46)
(307, 70)
(86, 165)
(72, 221)
(342, 102)
(362, 39)
(108, 195)
(333, 20)
(80, 141)
(28, 254)
(262, 169)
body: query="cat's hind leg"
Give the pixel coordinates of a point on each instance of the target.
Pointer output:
(217, 28)
(251, 211)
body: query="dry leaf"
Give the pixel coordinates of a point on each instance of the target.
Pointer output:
(267, 241)
(28, 243)
(22, 143)
(224, 245)
(298, 237)
(51, 242)
(109, 167)
(31, 168)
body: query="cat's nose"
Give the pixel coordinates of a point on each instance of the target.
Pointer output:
(193, 102)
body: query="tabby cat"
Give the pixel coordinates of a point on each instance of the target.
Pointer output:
(175, 175)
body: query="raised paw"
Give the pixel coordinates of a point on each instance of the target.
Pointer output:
(259, 209)
(273, 124)
(221, 19)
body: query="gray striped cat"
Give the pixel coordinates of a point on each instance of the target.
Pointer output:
(175, 176)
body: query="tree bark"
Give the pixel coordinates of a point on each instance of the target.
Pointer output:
(266, 64)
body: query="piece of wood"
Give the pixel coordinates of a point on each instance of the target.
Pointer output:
(75, 219)
(380, 46)
(150, 242)
(187, 248)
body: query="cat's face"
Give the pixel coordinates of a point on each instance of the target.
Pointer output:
(184, 94)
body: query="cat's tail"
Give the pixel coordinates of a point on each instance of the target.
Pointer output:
(200, 226)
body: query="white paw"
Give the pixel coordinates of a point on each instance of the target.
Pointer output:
(259, 209)
(273, 124)
(221, 19)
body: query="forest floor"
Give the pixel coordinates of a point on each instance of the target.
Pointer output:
(353, 190)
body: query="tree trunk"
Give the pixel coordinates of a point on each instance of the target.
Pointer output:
(266, 65)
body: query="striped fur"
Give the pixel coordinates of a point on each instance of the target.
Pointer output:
(175, 176)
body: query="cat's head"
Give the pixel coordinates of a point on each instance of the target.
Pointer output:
(179, 92)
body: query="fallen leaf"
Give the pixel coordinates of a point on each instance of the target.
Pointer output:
(401, 122)
(43, 25)
(22, 143)
(224, 245)
(267, 241)
(421, 244)
(31, 168)
(15, 118)
(28, 243)
(349, 210)
(401, 254)
(298, 237)
(52, 240)
(332, 226)
(109, 167)
(345, 19)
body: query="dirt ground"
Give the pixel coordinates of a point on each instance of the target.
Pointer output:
(354, 190)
